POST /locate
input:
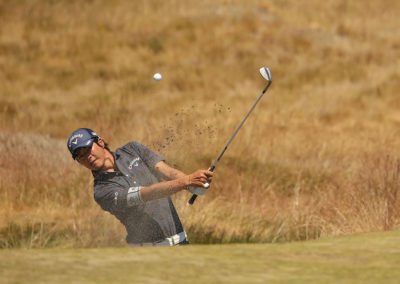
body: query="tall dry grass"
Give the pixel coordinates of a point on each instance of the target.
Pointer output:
(318, 157)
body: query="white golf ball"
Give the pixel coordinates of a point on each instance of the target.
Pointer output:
(157, 76)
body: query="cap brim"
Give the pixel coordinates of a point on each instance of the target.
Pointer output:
(86, 144)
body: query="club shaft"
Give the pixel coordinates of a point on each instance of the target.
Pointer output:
(216, 161)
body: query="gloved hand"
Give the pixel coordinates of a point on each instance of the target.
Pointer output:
(199, 190)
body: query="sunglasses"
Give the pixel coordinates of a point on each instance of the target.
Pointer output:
(83, 153)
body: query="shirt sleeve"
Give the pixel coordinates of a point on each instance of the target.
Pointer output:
(147, 155)
(113, 197)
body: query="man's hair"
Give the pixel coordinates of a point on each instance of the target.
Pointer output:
(106, 145)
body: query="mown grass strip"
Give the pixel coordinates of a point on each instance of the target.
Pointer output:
(366, 258)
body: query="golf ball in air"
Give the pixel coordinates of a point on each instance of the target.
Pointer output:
(157, 76)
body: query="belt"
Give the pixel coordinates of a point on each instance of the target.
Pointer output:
(170, 241)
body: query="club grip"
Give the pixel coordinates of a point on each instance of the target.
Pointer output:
(192, 199)
(194, 196)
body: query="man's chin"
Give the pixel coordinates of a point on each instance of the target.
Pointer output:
(96, 166)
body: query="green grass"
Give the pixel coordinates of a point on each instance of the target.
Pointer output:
(364, 258)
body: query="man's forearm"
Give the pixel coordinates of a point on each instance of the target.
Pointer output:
(177, 182)
(168, 172)
(175, 174)
(163, 189)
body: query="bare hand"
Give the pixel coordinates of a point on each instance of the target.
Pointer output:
(200, 177)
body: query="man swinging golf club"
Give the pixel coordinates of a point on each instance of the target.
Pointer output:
(135, 184)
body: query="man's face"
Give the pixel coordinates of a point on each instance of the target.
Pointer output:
(93, 157)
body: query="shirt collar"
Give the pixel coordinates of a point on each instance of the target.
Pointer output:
(107, 175)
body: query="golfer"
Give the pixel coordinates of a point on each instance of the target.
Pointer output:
(135, 184)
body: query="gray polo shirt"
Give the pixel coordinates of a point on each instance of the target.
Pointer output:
(148, 222)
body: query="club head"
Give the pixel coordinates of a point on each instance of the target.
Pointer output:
(264, 71)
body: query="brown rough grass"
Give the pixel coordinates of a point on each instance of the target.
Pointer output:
(318, 156)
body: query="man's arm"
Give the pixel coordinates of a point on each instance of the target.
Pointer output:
(112, 197)
(167, 188)
(176, 180)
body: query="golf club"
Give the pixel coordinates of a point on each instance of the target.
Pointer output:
(266, 74)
